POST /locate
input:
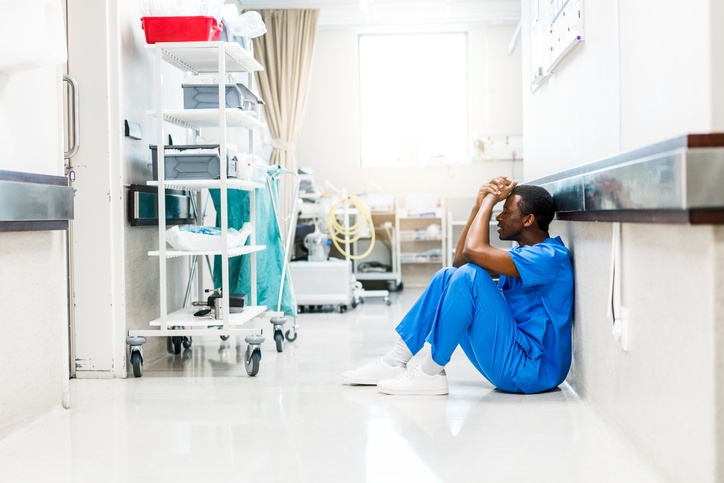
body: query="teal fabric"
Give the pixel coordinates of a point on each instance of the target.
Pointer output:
(269, 262)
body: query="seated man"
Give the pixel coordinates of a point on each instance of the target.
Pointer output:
(518, 333)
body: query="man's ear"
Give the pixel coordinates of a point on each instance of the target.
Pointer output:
(529, 220)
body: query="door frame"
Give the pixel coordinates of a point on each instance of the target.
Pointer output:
(96, 236)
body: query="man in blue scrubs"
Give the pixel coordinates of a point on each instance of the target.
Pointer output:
(518, 333)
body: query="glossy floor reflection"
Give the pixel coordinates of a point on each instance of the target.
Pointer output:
(197, 417)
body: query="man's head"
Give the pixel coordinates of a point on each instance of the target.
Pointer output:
(527, 209)
(535, 201)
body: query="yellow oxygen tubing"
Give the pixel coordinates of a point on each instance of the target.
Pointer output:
(341, 234)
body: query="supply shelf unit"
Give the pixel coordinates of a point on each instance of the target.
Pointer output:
(217, 58)
(421, 252)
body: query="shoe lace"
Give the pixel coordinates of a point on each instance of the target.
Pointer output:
(370, 364)
(409, 374)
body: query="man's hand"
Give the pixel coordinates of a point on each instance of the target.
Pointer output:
(474, 243)
(499, 188)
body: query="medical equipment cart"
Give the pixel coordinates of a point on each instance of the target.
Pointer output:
(217, 58)
(328, 282)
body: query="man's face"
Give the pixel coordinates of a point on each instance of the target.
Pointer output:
(510, 220)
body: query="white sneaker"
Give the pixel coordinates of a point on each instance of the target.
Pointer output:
(370, 374)
(415, 382)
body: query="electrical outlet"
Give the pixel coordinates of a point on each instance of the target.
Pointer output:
(620, 329)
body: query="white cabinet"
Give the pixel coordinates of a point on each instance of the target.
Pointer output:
(421, 245)
(216, 58)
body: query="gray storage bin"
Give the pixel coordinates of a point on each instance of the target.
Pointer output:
(250, 101)
(192, 165)
(206, 96)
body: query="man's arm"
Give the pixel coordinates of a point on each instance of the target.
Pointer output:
(474, 243)
(459, 260)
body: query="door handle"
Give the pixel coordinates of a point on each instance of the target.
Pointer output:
(74, 129)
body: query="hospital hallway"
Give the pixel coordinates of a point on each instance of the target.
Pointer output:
(198, 417)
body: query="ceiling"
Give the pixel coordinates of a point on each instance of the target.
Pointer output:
(356, 13)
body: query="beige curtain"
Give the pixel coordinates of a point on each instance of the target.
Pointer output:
(285, 51)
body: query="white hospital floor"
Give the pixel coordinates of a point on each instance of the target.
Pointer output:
(198, 417)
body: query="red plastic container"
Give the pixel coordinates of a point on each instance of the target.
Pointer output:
(180, 29)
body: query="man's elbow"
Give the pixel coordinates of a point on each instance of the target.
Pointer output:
(459, 259)
(476, 255)
(468, 255)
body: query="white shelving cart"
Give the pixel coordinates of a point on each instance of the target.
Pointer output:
(218, 58)
(421, 245)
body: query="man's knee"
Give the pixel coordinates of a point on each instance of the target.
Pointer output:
(443, 275)
(473, 274)
(445, 271)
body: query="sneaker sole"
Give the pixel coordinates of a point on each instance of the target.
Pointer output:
(366, 382)
(358, 382)
(413, 392)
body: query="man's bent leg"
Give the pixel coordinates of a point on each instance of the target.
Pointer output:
(475, 315)
(417, 323)
(444, 313)
(413, 330)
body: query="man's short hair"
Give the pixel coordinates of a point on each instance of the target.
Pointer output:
(535, 201)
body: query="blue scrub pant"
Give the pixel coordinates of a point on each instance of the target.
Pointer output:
(463, 306)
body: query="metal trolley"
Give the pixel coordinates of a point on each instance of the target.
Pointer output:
(180, 326)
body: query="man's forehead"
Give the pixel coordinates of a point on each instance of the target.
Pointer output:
(511, 202)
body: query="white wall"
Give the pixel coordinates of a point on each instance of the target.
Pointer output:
(661, 393)
(329, 140)
(666, 80)
(33, 264)
(635, 81)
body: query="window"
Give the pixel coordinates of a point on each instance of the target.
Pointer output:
(413, 99)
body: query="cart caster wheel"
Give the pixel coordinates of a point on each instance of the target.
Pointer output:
(354, 304)
(176, 341)
(388, 301)
(187, 341)
(252, 361)
(292, 335)
(136, 358)
(342, 309)
(137, 363)
(252, 358)
(224, 337)
(278, 323)
(169, 345)
(279, 340)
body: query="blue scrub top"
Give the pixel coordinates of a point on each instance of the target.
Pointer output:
(541, 301)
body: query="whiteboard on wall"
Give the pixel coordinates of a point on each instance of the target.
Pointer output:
(556, 29)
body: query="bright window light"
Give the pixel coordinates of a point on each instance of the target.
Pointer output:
(413, 99)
